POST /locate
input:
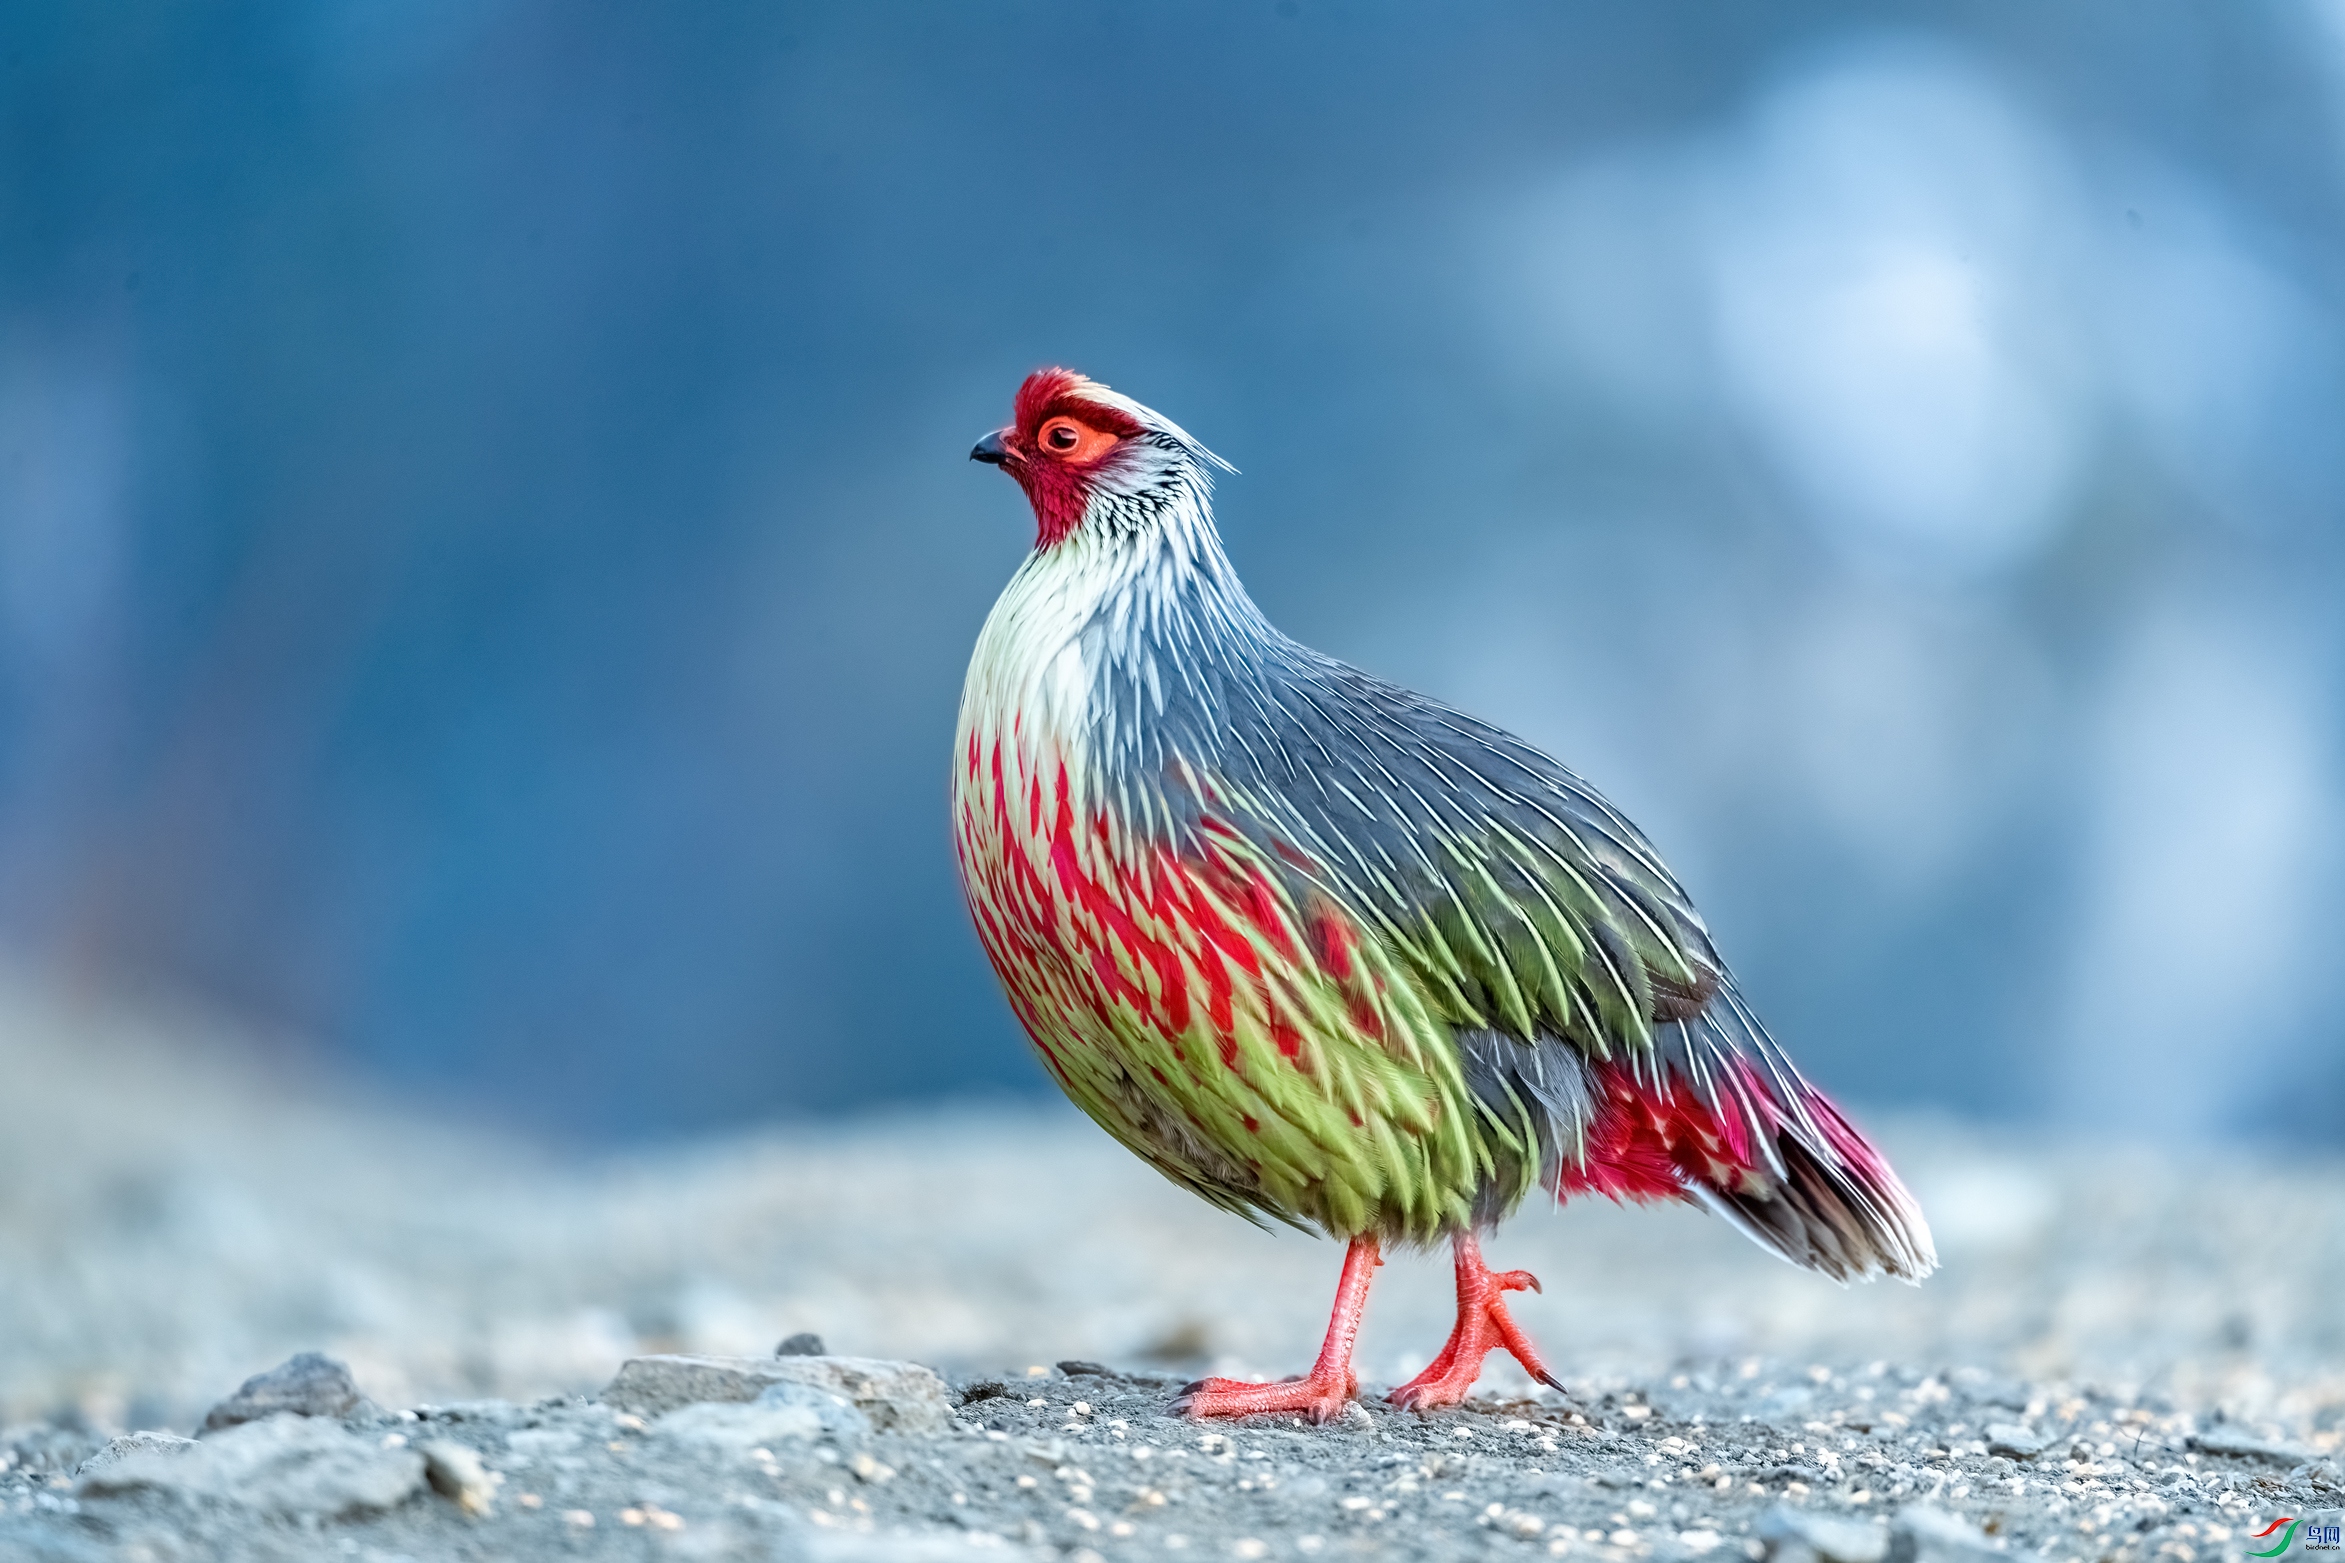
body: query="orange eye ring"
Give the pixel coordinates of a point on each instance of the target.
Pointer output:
(1072, 440)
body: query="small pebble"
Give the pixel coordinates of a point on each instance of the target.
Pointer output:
(456, 1472)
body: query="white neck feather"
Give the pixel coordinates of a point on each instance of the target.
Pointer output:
(1092, 637)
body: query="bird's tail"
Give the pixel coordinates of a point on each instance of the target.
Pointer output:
(1829, 1202)
(1716, 1114)
(1813, 1189)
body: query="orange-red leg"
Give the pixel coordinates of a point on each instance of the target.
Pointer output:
(1324, 1392)
(1482, 1327)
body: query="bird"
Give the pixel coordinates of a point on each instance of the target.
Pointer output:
(1327, 952)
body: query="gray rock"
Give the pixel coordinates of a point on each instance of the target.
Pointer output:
(311, 1384)
(1924, 1534)
(2241, 1445)
(2015, 1442)
(897, 1396)
(287, 1465)
(783, 1413)
(1798, 1536)
(119, 1449)
(665, 1382)
(803, 1344)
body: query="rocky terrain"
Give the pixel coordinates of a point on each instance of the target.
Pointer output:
(2129, 1355)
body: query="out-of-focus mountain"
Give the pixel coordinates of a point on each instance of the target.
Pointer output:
(486, 561)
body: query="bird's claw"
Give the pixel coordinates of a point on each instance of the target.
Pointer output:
(1321, 1399)
(1483, 1326)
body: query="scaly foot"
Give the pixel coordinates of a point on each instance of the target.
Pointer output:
(1322, 1394)
(1483, 1326)
(1320, 1399)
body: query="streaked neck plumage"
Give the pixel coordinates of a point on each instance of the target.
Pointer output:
(1117, 640)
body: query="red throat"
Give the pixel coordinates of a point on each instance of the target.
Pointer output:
(1059, 498)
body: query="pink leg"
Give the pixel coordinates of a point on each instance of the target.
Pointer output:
(1321, 1394)
(1482, 1327)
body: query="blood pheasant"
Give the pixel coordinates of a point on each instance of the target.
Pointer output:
(1321, 949)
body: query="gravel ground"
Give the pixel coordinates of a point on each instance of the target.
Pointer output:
(2128, 1355)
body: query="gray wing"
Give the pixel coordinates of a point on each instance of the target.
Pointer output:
(1533, 914)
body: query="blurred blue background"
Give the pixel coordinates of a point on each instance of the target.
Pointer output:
(487, 557)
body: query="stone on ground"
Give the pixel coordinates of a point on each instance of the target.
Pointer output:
(899, 1396)
(785, 1412)
(295, 1466)
(119, 1449)
(310, 1384)
(456, 1473)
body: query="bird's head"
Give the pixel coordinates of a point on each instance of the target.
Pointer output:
(1093, 461)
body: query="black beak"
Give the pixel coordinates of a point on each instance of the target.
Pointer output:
(990, 450)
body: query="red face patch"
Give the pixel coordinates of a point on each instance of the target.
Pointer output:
(1060, 442)
(1067, 438)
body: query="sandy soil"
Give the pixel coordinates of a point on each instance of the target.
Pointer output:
(175, 1217)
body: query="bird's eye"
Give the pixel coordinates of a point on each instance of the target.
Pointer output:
(1072, 441)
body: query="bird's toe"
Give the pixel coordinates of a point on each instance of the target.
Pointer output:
(1321, 1398)
(1427, 1397)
